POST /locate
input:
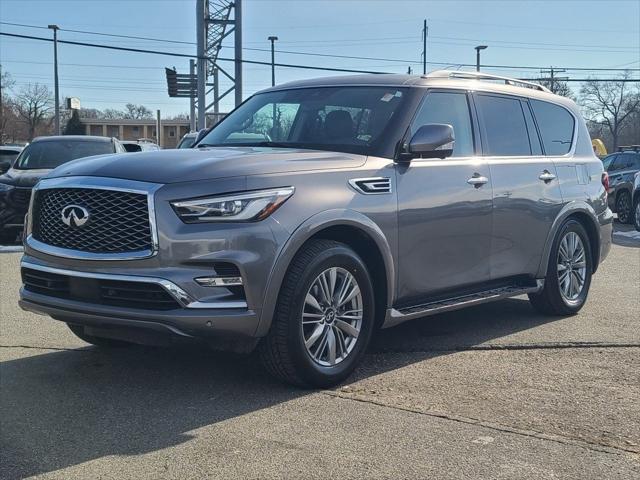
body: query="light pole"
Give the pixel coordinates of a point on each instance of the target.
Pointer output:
(55, 29)
(273, 39)
(478, 48)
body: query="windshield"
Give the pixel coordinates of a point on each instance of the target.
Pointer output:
(187, 141)
(349, 119)
(8, 155)
(50, 154)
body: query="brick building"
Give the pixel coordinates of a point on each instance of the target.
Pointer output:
(130, 129)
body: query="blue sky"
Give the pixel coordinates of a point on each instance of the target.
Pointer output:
(588, 34)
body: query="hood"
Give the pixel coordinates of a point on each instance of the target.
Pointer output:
(23, 178)
(173, 166)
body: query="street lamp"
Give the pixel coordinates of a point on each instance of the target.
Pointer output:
(273, 39)
(55, 29)
(478, 48)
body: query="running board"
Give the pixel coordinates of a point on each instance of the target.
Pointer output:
(397, 316)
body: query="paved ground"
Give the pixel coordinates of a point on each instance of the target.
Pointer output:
(493, 392)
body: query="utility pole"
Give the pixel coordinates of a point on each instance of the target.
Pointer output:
(273, 39)
(55, 29)
(158, 129)
(1, 110)
(192, 98)
(237, 39)
(477, 49)
(202, 62)
(552, 77)
(425, 32)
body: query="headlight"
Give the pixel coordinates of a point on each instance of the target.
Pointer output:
(241, 207)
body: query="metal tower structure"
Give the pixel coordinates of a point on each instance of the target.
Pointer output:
(215, 21)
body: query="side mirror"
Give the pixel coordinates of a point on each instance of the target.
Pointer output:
(434, 140)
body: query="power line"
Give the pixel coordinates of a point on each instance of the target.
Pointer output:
(287, 65)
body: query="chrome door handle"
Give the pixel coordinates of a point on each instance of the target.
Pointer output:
(546, 176)
(477, 180)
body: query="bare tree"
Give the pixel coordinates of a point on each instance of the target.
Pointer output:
(610, 103)
(6, 82)
(33, 106)
(560, 87)
(137, 111)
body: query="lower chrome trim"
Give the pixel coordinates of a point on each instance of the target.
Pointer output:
(175, 291)
(80, 255)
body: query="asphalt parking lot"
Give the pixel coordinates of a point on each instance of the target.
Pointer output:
(497, 391)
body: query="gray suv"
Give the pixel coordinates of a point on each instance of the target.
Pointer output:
(321, 210)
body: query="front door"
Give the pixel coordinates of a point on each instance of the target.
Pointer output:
(444, 209)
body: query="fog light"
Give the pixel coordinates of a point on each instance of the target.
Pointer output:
(219, 281)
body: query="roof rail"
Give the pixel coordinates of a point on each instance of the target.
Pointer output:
(627, 148)
(485, 76)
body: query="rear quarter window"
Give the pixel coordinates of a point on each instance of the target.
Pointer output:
(556, 127)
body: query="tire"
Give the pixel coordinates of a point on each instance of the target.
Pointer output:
(636, 213)
(78, 331)
(283, 351)
(552, 300)
(623, 208)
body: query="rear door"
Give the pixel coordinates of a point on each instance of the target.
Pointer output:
(526, 192)
(444, 221)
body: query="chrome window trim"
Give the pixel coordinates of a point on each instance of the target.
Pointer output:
(182, 297)
(98, 183)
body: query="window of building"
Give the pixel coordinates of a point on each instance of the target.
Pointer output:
(556, 127)
(504, 126)
(451, 109)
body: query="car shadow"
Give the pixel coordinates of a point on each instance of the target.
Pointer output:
(64, 408)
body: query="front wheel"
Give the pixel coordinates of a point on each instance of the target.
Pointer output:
(324, 317)
(623, 208)
(568, 274)
(636, 214)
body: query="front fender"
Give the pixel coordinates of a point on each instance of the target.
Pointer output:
(310, 227)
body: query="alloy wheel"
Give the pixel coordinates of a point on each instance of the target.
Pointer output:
(332, 316)
(572, 266)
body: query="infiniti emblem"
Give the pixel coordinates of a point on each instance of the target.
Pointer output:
(75, 215)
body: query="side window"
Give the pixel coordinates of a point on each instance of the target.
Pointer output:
(534, 139)
(452, 109)
(556, 127)
(503, 124)
(635, 161)
(607, 162)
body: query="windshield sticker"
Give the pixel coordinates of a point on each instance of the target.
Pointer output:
(387, 97)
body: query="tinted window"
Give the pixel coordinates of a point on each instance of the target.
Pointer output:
(350, 119)
(556, 127)
(504, 127)
(606, 162)
(534, 139)
(52, 153)
(452, 109)
(618, 164)
(629, 161)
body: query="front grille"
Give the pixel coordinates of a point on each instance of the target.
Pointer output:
(143, 295)
(118, 221)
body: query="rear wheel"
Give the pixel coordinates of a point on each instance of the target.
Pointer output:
(324, 317)
(623, 208)
(568, 274)
(78, 331)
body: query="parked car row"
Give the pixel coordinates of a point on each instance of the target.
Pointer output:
(622, 167)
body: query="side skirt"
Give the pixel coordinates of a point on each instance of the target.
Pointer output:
(398, 316)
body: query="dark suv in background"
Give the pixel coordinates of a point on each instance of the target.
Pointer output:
(622, 167)
(37, 159)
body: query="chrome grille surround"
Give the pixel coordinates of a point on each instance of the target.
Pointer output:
(88, 249)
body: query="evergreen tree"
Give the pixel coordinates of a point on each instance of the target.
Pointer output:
(74, 125)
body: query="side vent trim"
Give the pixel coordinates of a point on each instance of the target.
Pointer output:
(371, 185)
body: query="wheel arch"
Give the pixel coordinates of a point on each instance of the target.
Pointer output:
(586, 215)
(346, 226)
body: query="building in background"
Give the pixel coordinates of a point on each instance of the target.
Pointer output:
(134, 129)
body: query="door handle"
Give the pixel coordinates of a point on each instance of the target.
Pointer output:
(546, 176)
(477, 180)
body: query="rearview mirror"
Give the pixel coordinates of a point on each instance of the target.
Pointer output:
(434, 140)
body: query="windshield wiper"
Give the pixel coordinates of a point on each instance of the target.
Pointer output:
(247, 144)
